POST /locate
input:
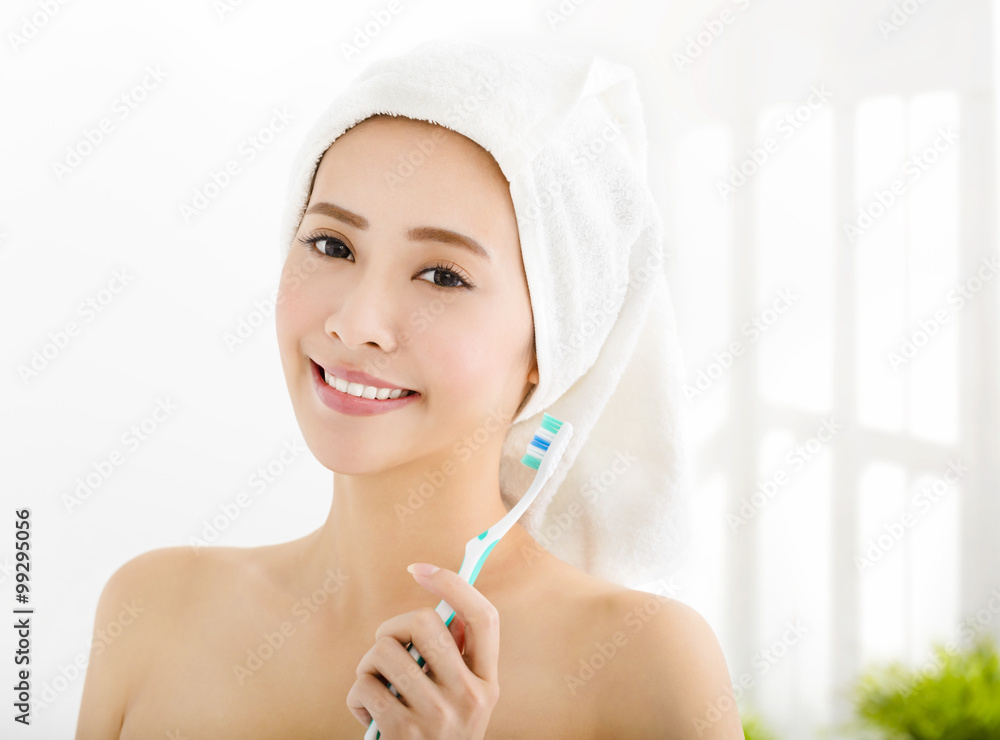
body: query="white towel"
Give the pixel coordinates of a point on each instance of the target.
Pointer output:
(568, 134)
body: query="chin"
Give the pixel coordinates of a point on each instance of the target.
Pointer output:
(344, 454)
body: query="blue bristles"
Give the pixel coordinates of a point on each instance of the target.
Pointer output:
(539, 444)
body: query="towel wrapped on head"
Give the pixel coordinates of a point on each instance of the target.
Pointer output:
(568, 134)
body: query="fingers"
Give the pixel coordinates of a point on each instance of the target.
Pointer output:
(389, 659)
(369, 698)
(458, 691)
(432, 639)
(481, 619)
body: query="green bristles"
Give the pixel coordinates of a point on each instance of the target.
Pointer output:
(540, 442)
(551, 423)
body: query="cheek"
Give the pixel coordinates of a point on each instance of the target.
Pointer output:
(470, 352)
(291, 302)
(284, 307)
(463, 367)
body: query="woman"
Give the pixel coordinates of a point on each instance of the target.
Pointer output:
(406, 326)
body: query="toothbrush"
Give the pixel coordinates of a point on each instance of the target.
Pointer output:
(543, 454)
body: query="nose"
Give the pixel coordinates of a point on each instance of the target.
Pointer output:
(365, 314)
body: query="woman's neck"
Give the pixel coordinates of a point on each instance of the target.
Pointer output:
(378, 524)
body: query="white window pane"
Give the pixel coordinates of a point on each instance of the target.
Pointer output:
(701, 579)
(880, 259)
(881, 562)
(932, 261)
(794, 541)
(791, 331)
(933, 549)
(700, 251)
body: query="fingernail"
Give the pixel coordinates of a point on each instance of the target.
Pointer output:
(422, 569)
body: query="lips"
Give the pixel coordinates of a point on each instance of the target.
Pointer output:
(351, 405)
(356, 376)
(360, 390)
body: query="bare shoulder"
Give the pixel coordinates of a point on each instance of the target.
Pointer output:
(152, 574)
(150, 588)
(640, 665)
(137, 603)
(116, 647)
(665, 670)
(157, 583)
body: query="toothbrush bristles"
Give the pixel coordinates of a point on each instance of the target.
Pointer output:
(539, 444)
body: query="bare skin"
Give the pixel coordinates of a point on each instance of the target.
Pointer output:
(293, 640)
(183, 669)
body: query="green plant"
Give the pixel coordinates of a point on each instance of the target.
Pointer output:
(754, 727)
(957, 699)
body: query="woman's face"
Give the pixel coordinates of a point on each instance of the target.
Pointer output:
(371, 293)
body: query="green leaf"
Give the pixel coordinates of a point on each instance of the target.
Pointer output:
(956, 698)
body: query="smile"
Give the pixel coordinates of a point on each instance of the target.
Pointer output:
(363, 391)
(357, 399)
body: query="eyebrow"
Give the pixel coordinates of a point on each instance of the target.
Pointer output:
(419, 233)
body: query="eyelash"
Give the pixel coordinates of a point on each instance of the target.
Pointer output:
(446, 267)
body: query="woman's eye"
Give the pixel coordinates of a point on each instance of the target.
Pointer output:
(328, 246)
(450, 279)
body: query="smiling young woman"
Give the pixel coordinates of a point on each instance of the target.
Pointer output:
(392, 285)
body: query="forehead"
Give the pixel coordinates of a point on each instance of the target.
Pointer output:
(394, 169)
(415, 147)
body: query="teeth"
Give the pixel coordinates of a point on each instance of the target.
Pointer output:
(363, 391)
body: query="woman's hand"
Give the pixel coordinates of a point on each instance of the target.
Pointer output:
(455, 698)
